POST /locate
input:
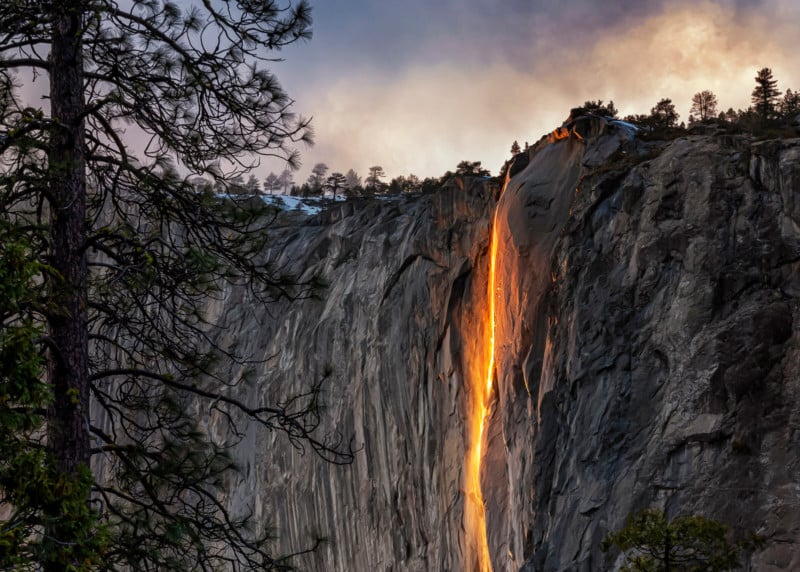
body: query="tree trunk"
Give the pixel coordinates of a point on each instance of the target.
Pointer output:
(68, 434)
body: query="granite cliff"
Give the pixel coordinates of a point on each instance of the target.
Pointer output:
(647, 354)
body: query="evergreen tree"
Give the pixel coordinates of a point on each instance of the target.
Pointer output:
(403, 184)
(31, 482)
(286, 181)
(272, 183)
(472, 169)
(253, 186)
(237, 186)
(395, 186)
(352, 180)
(300, 190)
(515, 148)
(412, 184)
(790, 105)
(765, 95)
(653, 543)
(430, 184)
(704, 105)
(125, 252)
(352, 184)
(316, 180)
(664, 114)
(373, 182)
(595, 108)
(335, 183)
(731, 115)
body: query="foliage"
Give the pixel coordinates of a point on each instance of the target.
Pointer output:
(653, 543)
(664, 114)
(430, 184)
(316, 180)
(120, 250)
(31, 484)
(402, 184)
(285, 181)
(471, 169)
(730, 115)
(765, 95)
(661, 123)
(704, 105)
(790, 105)
(595, 108)
(272, 183)
(352, 180)
(335, 182)
(373, 183)
(770, 115)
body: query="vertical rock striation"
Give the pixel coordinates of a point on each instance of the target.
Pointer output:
(647, 355)
(531, 215)
(394, 332)
(670, 364)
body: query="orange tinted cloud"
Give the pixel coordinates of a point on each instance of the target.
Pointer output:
(677, 53)
(425, 118)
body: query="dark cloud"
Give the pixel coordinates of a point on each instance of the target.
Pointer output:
(390, 36)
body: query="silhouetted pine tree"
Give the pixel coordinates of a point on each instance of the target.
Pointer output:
(126, 250)
(704, 105)
(664, 114)
(765, 95)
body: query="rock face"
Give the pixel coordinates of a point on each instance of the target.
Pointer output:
(393, 332)
(672, 368)
(648, 354)
(531, 214)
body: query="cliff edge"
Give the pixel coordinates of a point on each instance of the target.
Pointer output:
(647, 354)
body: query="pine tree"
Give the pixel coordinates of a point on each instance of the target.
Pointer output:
(765, 95)
(335, 182)
(664, 114)
(704, 104)
(472, 169)
(272, 183)
(373, 182)
(253, 185)
(651, 541)
(286, 181)
(316, 180)
(515, 148)
(127, 247)
(731, 115)
(31, 482)
(595, 108)
(790, 105)
(353, 181)
(413, 184)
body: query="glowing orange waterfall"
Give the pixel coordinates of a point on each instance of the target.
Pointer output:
(482, 389)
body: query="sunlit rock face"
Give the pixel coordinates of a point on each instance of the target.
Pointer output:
(531, 215)
(653, 358)
(647, 355)
(395, 330)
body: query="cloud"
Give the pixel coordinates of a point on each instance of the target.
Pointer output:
(679, 52)
(426, 116)
(417, 86)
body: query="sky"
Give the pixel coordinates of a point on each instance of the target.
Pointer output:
(418, 85)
